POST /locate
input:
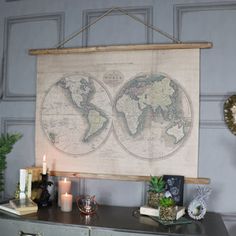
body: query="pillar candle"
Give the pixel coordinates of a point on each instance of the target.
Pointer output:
(66, 202)
(29, 184)
(23, 176)
(44, 165)
(64, 186)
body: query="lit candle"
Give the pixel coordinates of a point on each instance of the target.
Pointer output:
(44, 165)
(64, 186)
(66, 202)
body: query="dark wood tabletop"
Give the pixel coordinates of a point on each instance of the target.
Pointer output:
(124, 219)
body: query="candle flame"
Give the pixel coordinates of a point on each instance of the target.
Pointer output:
(65, 179)
(66, 193)
(44, 158)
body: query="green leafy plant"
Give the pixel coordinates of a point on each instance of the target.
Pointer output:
(6, 145)
(167, 202)
(156, 184)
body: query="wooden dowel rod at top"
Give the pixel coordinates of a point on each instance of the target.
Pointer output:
(164, 46)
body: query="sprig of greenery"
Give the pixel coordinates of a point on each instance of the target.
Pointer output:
(167, 202)
(156, 184)
(6, 145)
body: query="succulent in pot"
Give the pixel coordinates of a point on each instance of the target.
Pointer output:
(156, 191)
(167, 209)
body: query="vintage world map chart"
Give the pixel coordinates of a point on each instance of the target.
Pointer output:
(119, 112)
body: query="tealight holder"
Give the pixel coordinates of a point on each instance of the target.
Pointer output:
(86, 204)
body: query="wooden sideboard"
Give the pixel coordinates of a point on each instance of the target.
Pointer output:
(108, 221)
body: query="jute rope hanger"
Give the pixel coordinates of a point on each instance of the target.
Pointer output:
(60, 44)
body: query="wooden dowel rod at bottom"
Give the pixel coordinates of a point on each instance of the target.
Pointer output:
(188, 180)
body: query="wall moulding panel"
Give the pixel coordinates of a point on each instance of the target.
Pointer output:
(181, 9)
(19, 157)
(21, 33)
(214, 89)
(181, 12)
(213, 97)
(1, 78)
(212, 114)
(145, 13)
(6, 122)
(211, 124)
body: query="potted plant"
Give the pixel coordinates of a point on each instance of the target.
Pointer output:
(6, 144)
(167, 209)
(156, 191)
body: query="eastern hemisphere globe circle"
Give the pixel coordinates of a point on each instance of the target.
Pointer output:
(72, 117)
(153, 116)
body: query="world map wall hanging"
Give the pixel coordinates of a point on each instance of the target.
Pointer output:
(131, 110)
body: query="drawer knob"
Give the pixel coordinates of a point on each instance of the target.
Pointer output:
(21, 233)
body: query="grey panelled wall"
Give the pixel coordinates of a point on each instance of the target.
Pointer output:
(28, 24)
(18, 35)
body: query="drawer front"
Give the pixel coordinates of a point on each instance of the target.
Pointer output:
(23, 228)
(98, 232)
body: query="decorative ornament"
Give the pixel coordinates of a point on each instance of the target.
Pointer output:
(230, 113)
(87, 204)
(156, 191)
(197, 207)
